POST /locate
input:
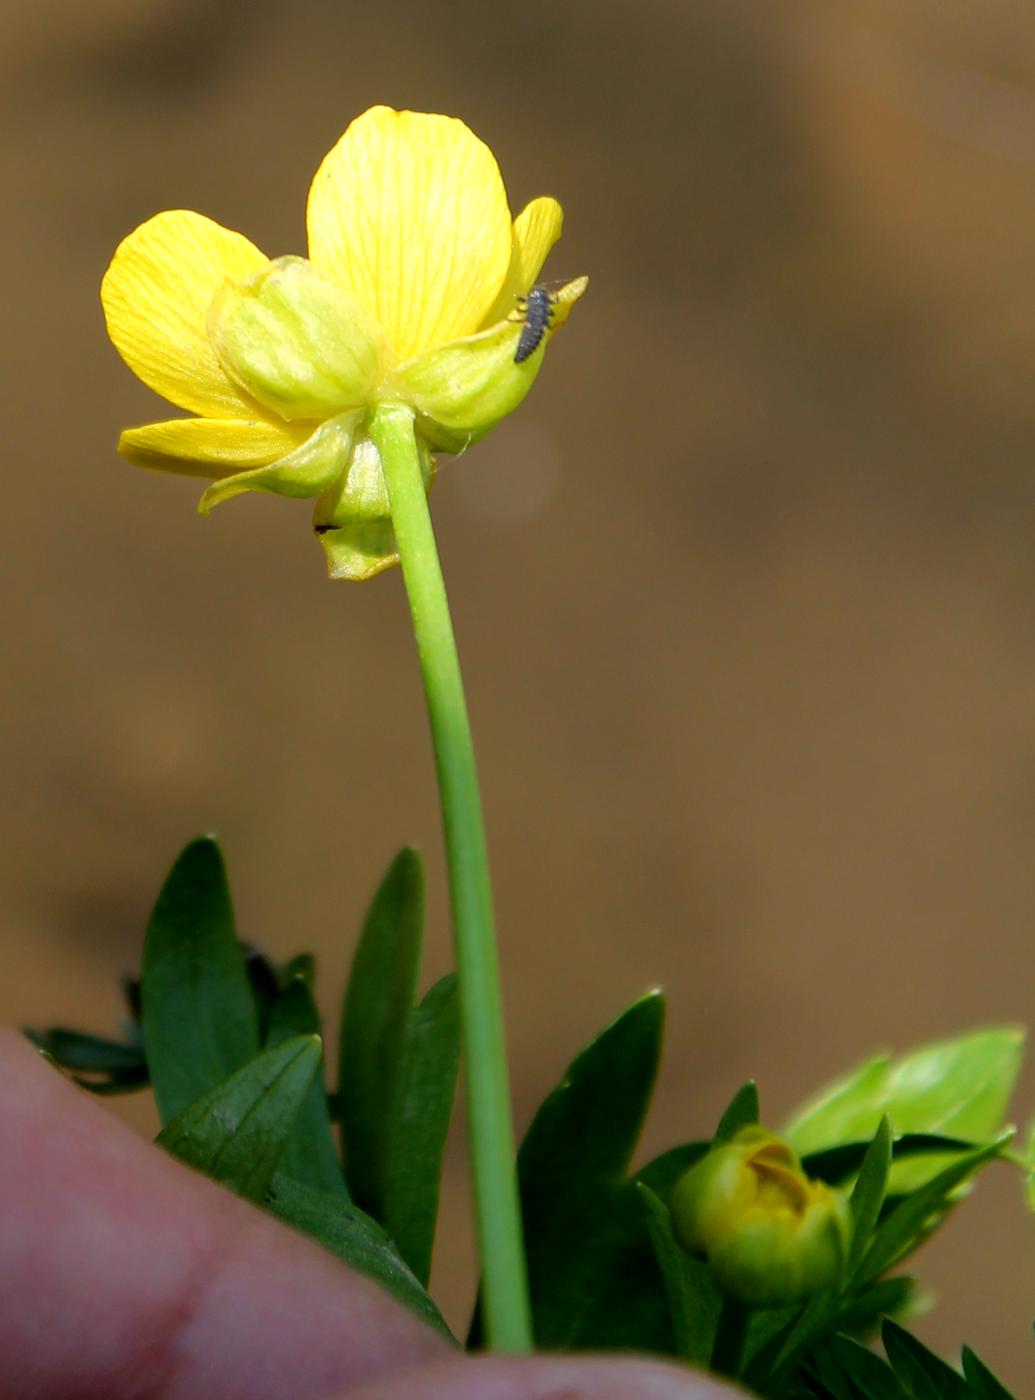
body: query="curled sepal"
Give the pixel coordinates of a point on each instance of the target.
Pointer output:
(771, 1236)
(353, 519)
(310, 469)
(295, 341)
(461, 390)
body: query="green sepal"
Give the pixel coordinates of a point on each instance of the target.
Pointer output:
(238, 1131)
(310, 1155)
(422, 1103)
(350, 1234)
(197, 1012)
(295, 341)
(311, 469)
(353, 519)
(378, 1001)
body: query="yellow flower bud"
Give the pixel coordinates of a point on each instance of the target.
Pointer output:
(771, 1235)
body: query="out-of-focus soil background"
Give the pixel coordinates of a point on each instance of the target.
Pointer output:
(745, 593)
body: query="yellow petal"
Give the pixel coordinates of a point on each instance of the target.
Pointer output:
(214, 447)
(156, 296)
(408, 212)
(536, 229)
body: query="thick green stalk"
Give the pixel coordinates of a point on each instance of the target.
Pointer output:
(497, 1212)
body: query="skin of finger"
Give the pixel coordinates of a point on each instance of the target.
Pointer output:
(124, 1274)
(547, 1378)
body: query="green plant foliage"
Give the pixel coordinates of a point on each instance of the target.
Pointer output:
(983, 1385)
(593, 1275)
(924, 1375)
(378, 1001)
(958, 1088)
(694, 1301)
(868, 1194)
(742, 1112)
(198, 1015)
(238, 1131)
(310, 1155)
(355, 1238)
(909, 1222)
(100, 1065)
(420, 1110)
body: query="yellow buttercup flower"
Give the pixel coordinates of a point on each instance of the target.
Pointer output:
(412, 293)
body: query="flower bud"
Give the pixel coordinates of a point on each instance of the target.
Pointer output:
(295, 341)
(771, 1235)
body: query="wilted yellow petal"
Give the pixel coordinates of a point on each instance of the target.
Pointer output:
(536, 229)
(156, 296)
(408, 212)
(212, 447)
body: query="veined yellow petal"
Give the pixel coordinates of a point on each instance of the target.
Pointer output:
(536, 229)
(408, 212)
(156, 296)
(211, 447)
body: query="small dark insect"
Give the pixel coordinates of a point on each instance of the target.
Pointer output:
(538, 310)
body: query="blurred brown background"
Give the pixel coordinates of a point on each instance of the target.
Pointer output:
(745, 593)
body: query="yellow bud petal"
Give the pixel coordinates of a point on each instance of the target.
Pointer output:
(295, 341)
(771, 1235)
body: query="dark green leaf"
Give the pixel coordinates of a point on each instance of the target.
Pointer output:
(103, 1066)
(837, 1165)
(353, 1236)
(302, 965)
(423, 1102)
(199, 1019)
(984, 1385)
(237, 1132)
(378, 1001)
(310, 1155)
(872, 1377)
(907, 1222)
(742, 1112)
(868, 1194)
(92, 1053)
(829, 1377)
(924, 1375)
(694, 1301)
(861, 1313)
(594, 1279)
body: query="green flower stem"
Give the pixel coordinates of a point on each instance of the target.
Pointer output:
(504, 1282)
